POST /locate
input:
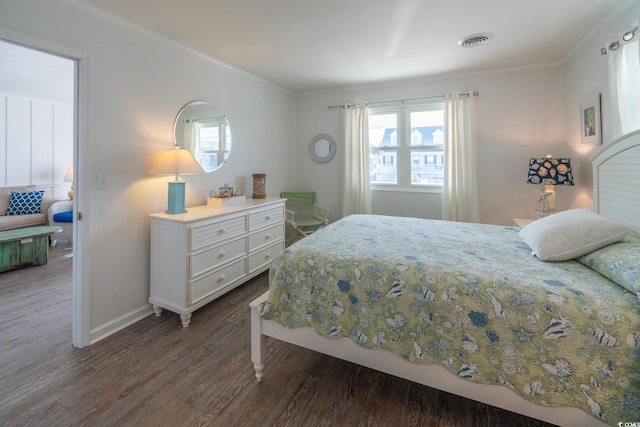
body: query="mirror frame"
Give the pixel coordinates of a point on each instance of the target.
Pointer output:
(312, 147)
(221, 114)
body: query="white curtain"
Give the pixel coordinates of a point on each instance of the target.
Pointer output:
(460, 191)
(356, 194)
(624, 84)
(190, 135)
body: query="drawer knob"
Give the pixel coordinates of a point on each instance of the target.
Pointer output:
(222, 230)
(267, 217)
(223, 254)
(267, 237)
(267, 255)
(222, 278)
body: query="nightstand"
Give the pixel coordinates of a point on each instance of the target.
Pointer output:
(520, 222)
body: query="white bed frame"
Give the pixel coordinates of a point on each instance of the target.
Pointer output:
(616, 180)
(616, 188)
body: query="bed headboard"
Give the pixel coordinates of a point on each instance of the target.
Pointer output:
(616, 180)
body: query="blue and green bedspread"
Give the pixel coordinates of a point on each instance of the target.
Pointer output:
(471, 298)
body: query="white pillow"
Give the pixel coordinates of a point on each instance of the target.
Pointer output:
(570, 234)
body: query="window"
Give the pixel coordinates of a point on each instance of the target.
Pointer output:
(212, 143)
(406, 145)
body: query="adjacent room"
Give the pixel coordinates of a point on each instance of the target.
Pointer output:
(319, 213)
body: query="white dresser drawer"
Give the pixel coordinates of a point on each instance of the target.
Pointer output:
(266, 236)
(212, 258)
(217, 280)
(265, 217)
(264, 256)
(208, 234)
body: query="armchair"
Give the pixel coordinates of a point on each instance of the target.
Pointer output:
(61, 214)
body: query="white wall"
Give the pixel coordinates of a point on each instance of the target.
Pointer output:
(519, 116)
(36, 143)
(586, 74)
(138, 83)
(29, 73)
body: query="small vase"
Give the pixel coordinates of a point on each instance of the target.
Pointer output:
(259, 190)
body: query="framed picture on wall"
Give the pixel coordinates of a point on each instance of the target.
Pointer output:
(590, 120)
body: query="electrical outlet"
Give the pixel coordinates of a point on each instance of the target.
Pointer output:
(102, 182)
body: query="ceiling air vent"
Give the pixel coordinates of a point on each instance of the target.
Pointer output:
(475, 40)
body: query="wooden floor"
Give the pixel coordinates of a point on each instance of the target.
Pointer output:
(157, 373)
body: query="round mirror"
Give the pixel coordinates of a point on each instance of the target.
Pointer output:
(203, 130)
(322, 148)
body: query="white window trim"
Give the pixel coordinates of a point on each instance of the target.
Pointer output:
(415, 188)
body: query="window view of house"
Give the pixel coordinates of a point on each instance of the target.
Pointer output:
(213, 141)
(407, 145)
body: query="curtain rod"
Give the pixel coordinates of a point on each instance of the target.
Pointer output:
(616, 44)
(475, 93)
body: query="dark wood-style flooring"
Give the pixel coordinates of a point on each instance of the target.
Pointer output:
(156, 373)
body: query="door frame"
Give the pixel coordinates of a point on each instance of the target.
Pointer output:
(81, 336)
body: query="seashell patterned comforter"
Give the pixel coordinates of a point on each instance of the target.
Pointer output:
(471, 298)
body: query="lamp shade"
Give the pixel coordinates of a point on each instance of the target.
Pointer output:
(550, 171)
(68, 175)
(176, 161)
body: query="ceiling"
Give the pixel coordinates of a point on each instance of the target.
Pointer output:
(34, 74)
(312, 45)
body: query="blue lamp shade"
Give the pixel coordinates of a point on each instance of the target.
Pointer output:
(176, 161)
(550, 171)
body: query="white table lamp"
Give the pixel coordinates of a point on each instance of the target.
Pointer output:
(176, 161)
(68, 177)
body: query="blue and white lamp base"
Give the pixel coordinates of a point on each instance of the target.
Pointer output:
(176, 197)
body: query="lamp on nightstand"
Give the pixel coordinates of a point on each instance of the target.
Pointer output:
(176, 161)
(68, 177)
(547, 172)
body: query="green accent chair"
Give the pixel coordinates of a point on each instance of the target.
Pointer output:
(309, 224)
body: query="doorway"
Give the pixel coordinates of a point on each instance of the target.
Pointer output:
(37, 91)
(68, 93)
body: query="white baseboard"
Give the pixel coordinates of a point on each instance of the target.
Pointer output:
(115, 325)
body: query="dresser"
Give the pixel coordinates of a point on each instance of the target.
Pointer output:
(200, 255)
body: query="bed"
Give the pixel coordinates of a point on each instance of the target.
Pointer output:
(467, 309)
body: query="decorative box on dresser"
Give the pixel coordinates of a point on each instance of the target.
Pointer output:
(200, 255)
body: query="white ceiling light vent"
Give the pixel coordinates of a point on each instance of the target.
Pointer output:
(475, 40)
